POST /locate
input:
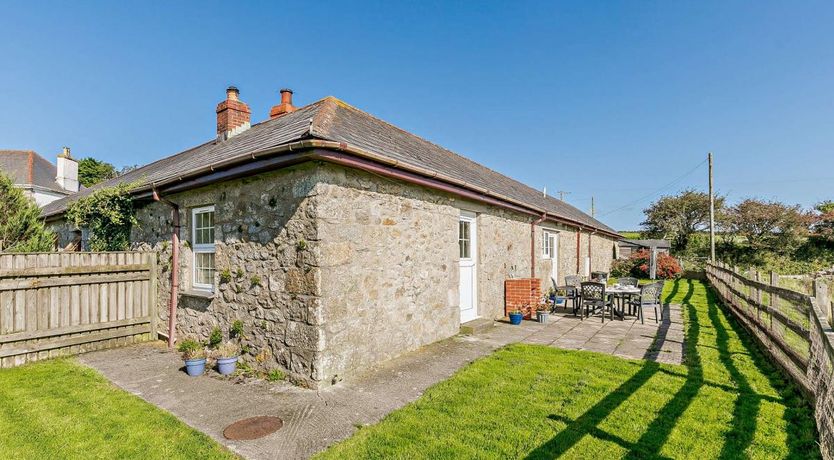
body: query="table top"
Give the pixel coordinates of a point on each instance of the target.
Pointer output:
(622, 290)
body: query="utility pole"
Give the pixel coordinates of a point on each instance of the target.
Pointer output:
(593, 209)
(562, 194)
(711, 213)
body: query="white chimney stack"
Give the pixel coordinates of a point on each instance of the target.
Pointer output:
(67, 176)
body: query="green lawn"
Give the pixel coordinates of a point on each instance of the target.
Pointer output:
(533, 402)
(60, 409)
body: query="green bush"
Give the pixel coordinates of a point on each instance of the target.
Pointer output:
(109, 214)
(275, 375)
(215, 338)
(637, 265)
(21, 229)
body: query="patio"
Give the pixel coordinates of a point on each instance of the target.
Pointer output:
(627, 338)
(314, 420)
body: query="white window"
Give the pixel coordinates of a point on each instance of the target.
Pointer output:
(465, 239)
(548, 245)
(202, 243)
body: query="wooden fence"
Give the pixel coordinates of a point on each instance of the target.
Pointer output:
(793, 327)
(54, 304)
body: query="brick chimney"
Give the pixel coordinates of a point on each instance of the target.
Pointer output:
(285, 106)
(67, 175)
(233, 115)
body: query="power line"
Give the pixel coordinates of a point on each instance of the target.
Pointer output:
(649, 195)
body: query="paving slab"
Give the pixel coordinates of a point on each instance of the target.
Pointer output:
(314, 419)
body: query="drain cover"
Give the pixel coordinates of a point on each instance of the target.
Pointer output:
(252, 428)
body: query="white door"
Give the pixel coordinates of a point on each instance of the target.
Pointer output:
(550, 250)
(468, 247)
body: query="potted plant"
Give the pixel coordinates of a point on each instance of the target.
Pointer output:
(543, 311)
(516, 316)
(194, 355)
(227, 355)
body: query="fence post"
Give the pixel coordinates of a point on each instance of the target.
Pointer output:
(774, 281)
(822, 298)
(758, 297)
(152, 295)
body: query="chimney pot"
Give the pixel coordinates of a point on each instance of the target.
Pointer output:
(232, 93)
(233, 115)
(285, 106)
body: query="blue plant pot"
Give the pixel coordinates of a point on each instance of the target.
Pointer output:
(515, 318)
(226, 365)
(559, 301)
(195, 367)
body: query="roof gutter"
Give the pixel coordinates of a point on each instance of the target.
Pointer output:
(322, 147)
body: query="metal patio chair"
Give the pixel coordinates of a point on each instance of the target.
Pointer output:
(593, 298)
(649, 297)
(627, 281)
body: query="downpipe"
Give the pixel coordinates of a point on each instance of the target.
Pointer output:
(175, 264)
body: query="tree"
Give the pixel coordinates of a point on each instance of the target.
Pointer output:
(824, 221)
(109, 214)
(767, 225)
(21, 228)
(92, 171)
(679, 216)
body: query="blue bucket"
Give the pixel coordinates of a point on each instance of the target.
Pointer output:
(515, 318)
(195, 367)
(226, 365)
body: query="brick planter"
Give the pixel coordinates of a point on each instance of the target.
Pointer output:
(522, 294)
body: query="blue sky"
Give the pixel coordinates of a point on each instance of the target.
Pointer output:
(614, 100)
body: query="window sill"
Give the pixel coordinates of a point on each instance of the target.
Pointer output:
(200, 294)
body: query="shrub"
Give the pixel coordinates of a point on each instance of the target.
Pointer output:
(21, 229)
(216, 338)
(109, 214)
(623, 267)
(237, 329)
(638, 266)
(275, 375)
(228, 350)
(191, 349)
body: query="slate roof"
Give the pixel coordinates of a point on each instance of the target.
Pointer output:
(27, 168)
(333, 120)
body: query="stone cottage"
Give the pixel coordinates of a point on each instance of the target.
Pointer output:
(341, 240)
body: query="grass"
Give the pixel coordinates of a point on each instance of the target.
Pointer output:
(536, 402)
(60, 409)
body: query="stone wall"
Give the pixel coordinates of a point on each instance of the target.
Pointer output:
(389, 264)
(333, 270)
(267, 272)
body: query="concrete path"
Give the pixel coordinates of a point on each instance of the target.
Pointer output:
(315, 419)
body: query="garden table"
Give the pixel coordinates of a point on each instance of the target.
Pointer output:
(620, 293)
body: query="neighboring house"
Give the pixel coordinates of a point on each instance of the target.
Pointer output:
(340, 240)
(629, 247)
(38, 178)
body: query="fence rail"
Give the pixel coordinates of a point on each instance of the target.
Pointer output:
(793, 327)
(54, 304)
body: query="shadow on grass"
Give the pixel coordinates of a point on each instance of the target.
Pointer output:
(745, 410)
(801, 431)
(587, 422)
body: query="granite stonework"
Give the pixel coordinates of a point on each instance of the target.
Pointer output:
(333, 270)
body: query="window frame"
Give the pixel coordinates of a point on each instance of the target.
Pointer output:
(549, 241)
(202, 248)
(465, 223)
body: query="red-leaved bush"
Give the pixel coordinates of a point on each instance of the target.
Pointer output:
(638, 265)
